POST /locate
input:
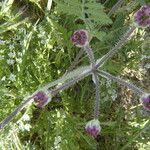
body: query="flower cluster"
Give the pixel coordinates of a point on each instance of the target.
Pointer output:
(93, 128)
(142, 16)
(41, 99)
(145, 100)
(80, 38)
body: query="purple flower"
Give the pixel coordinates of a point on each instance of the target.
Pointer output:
(145, 100)
(142, 16)
(41, 99)
(80, 38)
(93, 128)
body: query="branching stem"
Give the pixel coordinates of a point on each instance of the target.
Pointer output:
(131, 86)
(90, 54)
(70, 83)
(53, 92)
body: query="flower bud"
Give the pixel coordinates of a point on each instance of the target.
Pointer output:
(142, 16)
(80, 38)
(41, 99)
(145, 100)
(93, 128)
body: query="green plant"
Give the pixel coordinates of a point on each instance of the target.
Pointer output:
(31, 56)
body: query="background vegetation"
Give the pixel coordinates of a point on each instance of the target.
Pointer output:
(35, 49)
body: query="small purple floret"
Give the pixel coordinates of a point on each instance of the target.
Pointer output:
(142, 16)
(93, 128)
(41, 99)
(145, 100)
(80, 38)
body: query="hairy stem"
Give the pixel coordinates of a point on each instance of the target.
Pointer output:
(97, 96)
(90, 54)
(131, 86)
(70, 83)
(119, 45)
(53, 92)
(14, 113)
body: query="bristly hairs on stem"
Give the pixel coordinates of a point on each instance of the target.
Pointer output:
(119, 45)
(90, 54)
(97, 96)
(53, 92)
(95, 66)
(70, 83)
(106, 57)
(4, 122)
(122, 82)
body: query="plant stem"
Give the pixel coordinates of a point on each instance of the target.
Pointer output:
(75, 61)
(131, 86)
(115, 7)
(14, 113)
(119, 45)
(90, 54)
(70, 83)
(53, 92)
(97, 96)
(49, 5)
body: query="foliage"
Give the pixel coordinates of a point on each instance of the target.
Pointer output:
(35, 49)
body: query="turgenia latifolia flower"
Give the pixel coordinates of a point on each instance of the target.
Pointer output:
(41, 99)
(142, 16)
(93, 128)
(145, 100)
(80, 38)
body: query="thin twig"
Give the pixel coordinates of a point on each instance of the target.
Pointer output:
(75, 62)
(106, 2)
(131, 86)
(115, 7)
(49, 5)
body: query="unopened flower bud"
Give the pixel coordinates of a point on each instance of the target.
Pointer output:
(80, 38)
(41, 99)
(93, 128)
(145, 100)
(142, 16)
